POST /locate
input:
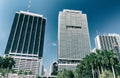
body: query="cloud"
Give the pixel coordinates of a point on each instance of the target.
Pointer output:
(54, 44)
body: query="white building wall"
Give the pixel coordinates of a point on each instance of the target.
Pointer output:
(27, 64)
(108, 42)
(73, 37)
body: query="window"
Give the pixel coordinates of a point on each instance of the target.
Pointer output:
(73, 27)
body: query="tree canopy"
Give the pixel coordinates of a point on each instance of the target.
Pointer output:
(95, 65)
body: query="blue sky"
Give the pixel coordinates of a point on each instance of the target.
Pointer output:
(103, 17)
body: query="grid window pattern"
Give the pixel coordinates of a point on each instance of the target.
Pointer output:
(108, 42)
(27, 64)
(73, 36)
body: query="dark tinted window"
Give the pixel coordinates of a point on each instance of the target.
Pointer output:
(11, 34)
(23, 33)
(17, 33)
(38, 34)
(28, 35)
(32, 36)
(42, 39)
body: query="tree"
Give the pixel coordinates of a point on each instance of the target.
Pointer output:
(97, 62)
(60, 74)
(66, 74)
(20, 72)
(106, 74)
(117, 69)
(38, 76)
(101, 64)
(30, 73)
(84, 69)
(25, 73)
(113, 60)
(13, 71)
(7, 63)
(1, 60)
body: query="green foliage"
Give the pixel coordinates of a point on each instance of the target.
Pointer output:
(3, 73)
(118, 76)
(25, 73)
(38, 76)
(30, 73)
(106, 74)
(1, 70)
(60, 74)
(1, 60)
(102, 64)
(117, 69)
(54, 73)
(20, 72)
(12, 71)
(95, 63)
(6, 64)
(66, 74)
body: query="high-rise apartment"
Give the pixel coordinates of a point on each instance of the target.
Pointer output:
(108, 42)
(73, 38)
(26, 40)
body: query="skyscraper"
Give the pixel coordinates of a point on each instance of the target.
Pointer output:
(73, 38)
(26, 40)
(108, 42)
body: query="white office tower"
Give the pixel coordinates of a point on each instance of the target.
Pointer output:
(73, 39)
(108, 42)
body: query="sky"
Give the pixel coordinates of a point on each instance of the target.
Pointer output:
(103, 18)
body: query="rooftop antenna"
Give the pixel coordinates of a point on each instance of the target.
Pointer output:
(29, 5)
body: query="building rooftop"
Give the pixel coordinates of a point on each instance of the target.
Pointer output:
(110, 34)
(29, 13)
(74, 11)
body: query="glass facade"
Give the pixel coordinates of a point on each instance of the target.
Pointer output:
(27, 34)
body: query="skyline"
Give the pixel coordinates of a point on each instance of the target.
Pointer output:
(102, 15)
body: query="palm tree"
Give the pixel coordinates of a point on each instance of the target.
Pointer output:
(109, 58)
(84, 68)
(106, 74)
(105, 59)
(117, 69)
(79, 70)
(102, 59)
(98, 61)
(68, 74)
(88, 63)
(92, 62)
(113, 60)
